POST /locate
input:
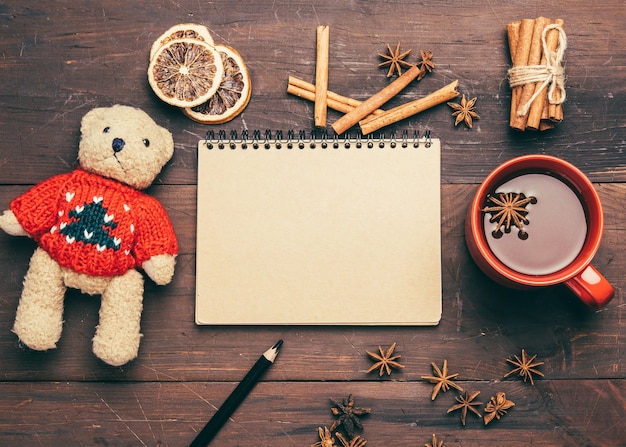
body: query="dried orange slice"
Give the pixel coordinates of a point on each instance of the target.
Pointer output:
(185, 72)
(182, 31)
(231, 97)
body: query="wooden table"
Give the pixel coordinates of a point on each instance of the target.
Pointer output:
(61, 58)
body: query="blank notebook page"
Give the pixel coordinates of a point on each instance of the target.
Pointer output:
(318, 236)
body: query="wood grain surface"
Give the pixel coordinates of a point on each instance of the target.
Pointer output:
(59, 59)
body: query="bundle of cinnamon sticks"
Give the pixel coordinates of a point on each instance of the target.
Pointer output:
(536, 47)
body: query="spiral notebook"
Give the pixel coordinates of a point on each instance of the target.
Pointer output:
(310, 231)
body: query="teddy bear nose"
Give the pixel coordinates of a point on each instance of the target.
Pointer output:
(118, 144)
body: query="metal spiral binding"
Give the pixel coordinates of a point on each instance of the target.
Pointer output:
(315, 139)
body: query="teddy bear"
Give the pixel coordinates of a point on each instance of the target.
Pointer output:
(95, 230)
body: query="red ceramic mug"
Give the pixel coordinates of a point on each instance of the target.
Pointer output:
(558, 211)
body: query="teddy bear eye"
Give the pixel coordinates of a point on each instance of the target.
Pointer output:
(106, 129)
(146, 142)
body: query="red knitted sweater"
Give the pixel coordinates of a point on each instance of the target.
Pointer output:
(95, 225)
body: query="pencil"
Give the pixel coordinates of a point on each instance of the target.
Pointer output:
(236, 397)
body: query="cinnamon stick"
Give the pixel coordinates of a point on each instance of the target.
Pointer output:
(401, 112)
(513, 38)
(545, 125)
(321, 75)
(368, 106)
(297, 85)
(521, 58)
(555, 112)
(334, 101)
(534, 57)
(536, 109)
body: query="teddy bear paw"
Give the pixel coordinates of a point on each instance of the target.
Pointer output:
(37, 338)
(116, 351)
(10, 224)
(160, 268)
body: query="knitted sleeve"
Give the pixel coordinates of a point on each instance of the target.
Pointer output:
(36, 210)
(154, 232)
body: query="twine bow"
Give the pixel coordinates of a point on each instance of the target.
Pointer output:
(551, 75)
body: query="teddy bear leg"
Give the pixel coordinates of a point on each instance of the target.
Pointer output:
(117, 337)
(39, 317)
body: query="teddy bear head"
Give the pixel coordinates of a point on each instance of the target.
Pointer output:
(125, 144)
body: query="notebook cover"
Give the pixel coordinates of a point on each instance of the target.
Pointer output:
(313, 236)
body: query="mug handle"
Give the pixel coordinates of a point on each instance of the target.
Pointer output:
(591, 287)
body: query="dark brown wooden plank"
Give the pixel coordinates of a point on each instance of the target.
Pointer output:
(566, 413)
(62, 58)
(483, 323)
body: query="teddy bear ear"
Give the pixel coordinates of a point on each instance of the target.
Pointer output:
(91, 117)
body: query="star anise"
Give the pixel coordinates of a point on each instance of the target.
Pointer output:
(435, 443)
(394, 59)
(357, 441)
(348, 416)
(525, 367)
(510, 209)
(426, 64)
(466, 402)
(465, 111)
(385, 360)
(497, 406)
(441, 379)
(326, 439)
